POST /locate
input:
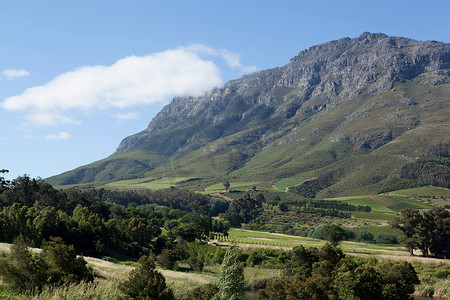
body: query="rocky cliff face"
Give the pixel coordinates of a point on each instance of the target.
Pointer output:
(346, 68)
(355, 110)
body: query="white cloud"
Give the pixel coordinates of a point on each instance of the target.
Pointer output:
(58, 136)
(12, 74)
(232, 59)
(131, 81)
(128, 82)
(127, 116)
(42, 118)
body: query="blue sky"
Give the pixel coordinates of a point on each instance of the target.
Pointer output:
(76, 77)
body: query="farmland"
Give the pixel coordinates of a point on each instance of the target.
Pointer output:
(151, 183)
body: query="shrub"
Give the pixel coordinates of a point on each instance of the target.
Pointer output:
(145, 282)
(166, 259)
(364, 236)
(205, 292)
(385, 238)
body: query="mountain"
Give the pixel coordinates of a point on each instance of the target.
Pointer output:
(354, 111)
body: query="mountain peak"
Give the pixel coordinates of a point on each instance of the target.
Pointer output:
(330, 102)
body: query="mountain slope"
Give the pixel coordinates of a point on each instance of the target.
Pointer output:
(358, 109)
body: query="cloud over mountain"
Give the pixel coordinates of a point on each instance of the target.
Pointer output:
(131, 81)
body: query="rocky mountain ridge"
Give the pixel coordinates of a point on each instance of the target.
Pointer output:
(369, 64)
(332, 108)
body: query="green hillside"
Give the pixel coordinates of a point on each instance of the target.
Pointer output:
(361, 115)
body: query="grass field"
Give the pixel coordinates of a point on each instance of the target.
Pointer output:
(151, 183)
(384, 207)
(425, 194)
(283, 184)
(218, 187)
(259, 238)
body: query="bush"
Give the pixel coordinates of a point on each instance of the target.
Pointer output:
(385, 238)
(205, 292)
(145, 282)
(166, 259)
(446, 288)
(364, 236)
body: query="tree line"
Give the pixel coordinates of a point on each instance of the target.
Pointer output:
(427, 231)
(432, 168)
(101, 223)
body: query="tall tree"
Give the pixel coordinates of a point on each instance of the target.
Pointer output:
(226, 185)
(429, 232)
(408, 222)
(231, 281)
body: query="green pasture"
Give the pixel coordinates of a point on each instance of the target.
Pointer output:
(425, 194)
(400, 203)
(381, 216)
(288, 182)
(150, 183)
(241, 236)
(424, 191)
(218, 187)
(384, 207)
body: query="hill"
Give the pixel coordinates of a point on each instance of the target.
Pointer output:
(352, 112)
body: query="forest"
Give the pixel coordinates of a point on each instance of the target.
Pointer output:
(171, 228)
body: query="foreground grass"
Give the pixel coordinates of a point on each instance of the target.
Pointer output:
(432, 272)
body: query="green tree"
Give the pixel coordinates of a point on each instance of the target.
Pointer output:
(231, 281)
(23, 271)
(57, 264)
(398, 280)
(408, 222)
(440, 232)
(429, 232)
(64, 267)
(226, 185)
(145, 282)
(334, 234)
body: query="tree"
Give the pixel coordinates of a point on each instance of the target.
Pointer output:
(145, 282)
(334, 234)
(408, 222)
(23, 271)
(226, 185)
(231, 281)
(57, 264)
(429, 231)
(64, 267)
(398, 279)
(247, 207)
(218, 205)
(440, 232)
